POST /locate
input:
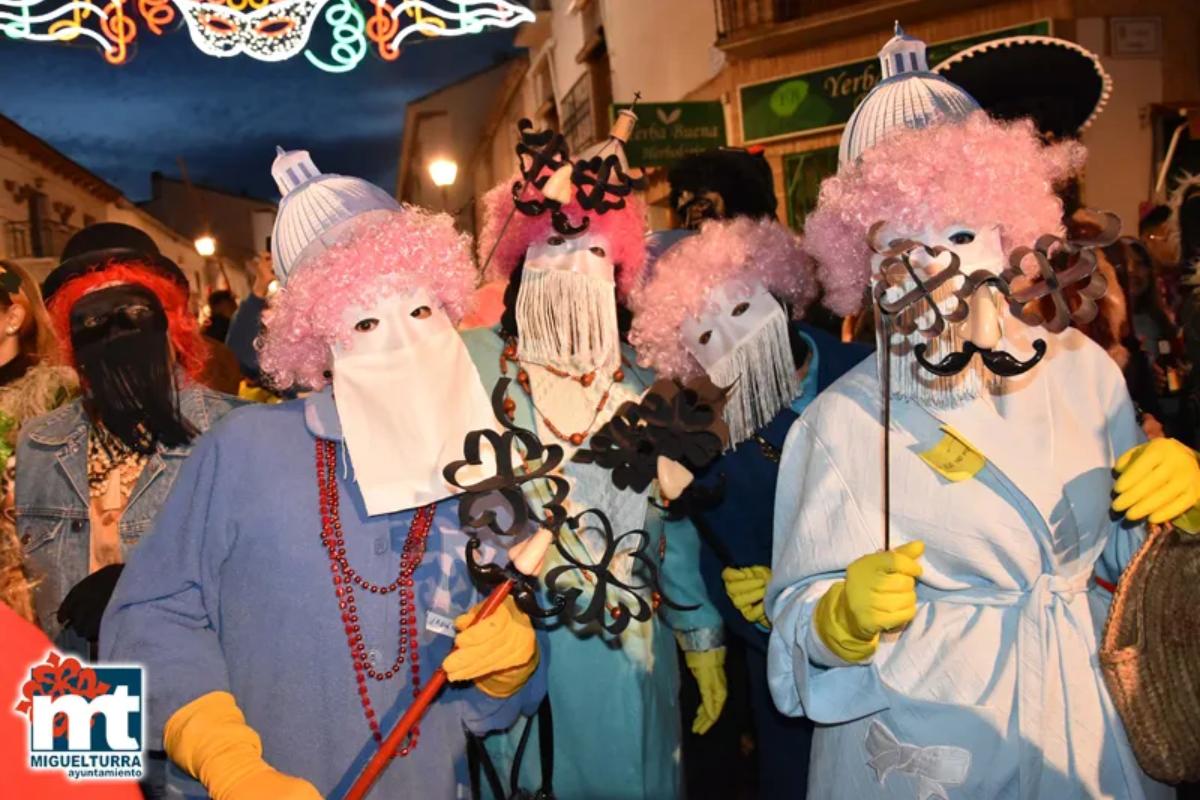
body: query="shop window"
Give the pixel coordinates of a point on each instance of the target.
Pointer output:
(802, 176)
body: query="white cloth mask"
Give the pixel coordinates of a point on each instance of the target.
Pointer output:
(406, 393)
(741, 340)
(586, 254)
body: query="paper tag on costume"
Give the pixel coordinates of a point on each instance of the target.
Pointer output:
(439, 624)
(954, 458)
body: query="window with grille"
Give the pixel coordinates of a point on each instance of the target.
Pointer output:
(578, 124)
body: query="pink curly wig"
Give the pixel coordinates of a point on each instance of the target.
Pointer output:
(625, 230)
(975, 172)
(382, 256)
(744, 250)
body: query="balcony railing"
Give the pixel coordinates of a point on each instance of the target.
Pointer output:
(736, 17)
(43, 240)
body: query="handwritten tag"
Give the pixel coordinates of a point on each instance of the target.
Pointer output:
(439, 624)
(953, 457)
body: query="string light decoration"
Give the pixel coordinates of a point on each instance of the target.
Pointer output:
(261, 29)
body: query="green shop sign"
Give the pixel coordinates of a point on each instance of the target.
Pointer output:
(668, 131)
(823, 99)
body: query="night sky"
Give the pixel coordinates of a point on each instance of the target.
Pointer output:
(224, 116)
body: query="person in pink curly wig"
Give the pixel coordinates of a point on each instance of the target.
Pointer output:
(945, 515)
(307, 577)
(568, 235)
(719, 304)
(914, 186)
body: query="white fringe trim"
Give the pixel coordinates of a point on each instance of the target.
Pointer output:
(763, 373)
(567, 320)
(910, 381)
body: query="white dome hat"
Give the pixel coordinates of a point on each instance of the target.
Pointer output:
(316, 209)
(909, 96)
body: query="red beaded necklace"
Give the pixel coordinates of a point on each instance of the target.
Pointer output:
(344, 579)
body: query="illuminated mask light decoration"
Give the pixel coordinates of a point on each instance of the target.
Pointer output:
(260, 29)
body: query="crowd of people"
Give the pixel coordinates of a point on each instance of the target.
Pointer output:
(659, 528)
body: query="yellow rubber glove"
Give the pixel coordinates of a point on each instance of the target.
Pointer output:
(210, 740)
(499, 652)
(708, 667)
(879, 594)
(747, 588)
(1159, 479)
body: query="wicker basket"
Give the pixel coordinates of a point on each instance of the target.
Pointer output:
(1150, 655)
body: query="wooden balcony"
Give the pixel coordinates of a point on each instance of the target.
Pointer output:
(760, 28)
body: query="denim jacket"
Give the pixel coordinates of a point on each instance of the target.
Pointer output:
(52, 498)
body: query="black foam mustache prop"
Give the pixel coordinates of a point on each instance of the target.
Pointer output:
(998, 362)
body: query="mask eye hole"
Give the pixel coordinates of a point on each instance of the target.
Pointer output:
(596, 250)
(218, 25)
(962, 237)
(740, 308)
(555, 241)
(275, 26)
(705, 337)
(91, 321)
(421, 312)
(366, 325)
(137, 311)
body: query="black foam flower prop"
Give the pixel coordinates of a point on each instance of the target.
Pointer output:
(613, 602)
(681, 422)
(898, 270)
(1066, 284)
(497, 502)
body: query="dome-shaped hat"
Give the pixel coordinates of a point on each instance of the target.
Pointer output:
(909, 96)
(315, 209)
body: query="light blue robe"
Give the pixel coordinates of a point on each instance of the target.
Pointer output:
(615, 700)
(232, 592)
(992, 691)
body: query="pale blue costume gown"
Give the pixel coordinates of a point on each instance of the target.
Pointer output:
(232, 592)
(615, 700)
(993, 690)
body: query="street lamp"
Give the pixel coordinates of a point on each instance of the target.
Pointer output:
(206, 246)
(443, 171)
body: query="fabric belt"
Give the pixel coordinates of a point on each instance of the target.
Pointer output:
(1035, 626)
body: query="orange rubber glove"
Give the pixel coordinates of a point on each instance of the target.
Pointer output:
(210, 740)
(499, 652)
(879, 594)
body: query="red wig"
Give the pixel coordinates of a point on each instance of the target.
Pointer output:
(191, 352)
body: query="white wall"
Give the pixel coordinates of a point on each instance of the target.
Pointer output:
(18, 168)
(1120, 141)
(663, 49)
(566, 40)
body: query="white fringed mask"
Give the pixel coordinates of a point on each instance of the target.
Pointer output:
(566, 307)
(741, 341)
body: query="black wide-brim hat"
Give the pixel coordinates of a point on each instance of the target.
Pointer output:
(1060, 85)
(96, 246)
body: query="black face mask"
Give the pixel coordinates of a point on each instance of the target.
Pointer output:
(119, 335)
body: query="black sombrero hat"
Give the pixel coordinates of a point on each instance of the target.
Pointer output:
(95, 246)
(1060, 85)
